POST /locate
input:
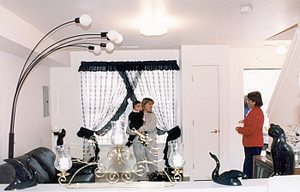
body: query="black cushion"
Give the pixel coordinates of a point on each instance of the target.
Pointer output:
(43, 176)
(45, 157)
(86, 170)
(82, 178)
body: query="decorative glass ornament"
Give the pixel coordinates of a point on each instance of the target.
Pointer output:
(175, 158)
(118, 136)
(62, 160)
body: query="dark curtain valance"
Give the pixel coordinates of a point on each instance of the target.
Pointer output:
(128, 65)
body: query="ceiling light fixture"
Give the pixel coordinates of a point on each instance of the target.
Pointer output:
(246, 9)
(153, 30)
(154, 21)
(281, 49)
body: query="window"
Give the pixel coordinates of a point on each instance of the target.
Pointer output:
(108, 89)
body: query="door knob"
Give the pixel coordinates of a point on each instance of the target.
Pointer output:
(214, 131)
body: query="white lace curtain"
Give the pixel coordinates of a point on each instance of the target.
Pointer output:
(105, 92)
(161, 87)
(102, 93)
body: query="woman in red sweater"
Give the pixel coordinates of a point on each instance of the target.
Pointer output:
(252, 131)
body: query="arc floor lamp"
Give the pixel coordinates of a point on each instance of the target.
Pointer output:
(90, 41)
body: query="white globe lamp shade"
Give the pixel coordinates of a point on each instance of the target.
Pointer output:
(85, 20)
(112, 35)
(119, 39)
(109, 47)
(97, 50)
(56, 128)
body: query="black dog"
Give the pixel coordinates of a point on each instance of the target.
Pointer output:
(282, 153)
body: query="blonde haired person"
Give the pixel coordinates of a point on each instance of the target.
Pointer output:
(146, 152)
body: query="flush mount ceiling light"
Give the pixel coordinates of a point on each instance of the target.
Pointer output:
(281, 49)
(153, 30)
(154, 21)
(246, 9)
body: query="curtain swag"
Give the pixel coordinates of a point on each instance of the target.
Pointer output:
(128, 65)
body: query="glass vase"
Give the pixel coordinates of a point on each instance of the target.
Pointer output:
(63, 160)
(118, 136)
(175, 151)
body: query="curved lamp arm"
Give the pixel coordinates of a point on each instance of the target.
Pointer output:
(88, 41)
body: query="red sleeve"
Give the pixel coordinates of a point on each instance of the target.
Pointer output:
(250, 123)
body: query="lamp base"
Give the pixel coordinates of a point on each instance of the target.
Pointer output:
(63, 174)
(11, 144)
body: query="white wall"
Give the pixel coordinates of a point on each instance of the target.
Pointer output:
(31, 128)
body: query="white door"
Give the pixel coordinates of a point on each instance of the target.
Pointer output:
(205, 119)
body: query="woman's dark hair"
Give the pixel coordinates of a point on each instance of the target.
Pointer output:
(255, 96)
(136, 102)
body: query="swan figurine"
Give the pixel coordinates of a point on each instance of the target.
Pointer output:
(228, 177)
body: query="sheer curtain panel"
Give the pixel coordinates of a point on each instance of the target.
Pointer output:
(102, 93)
